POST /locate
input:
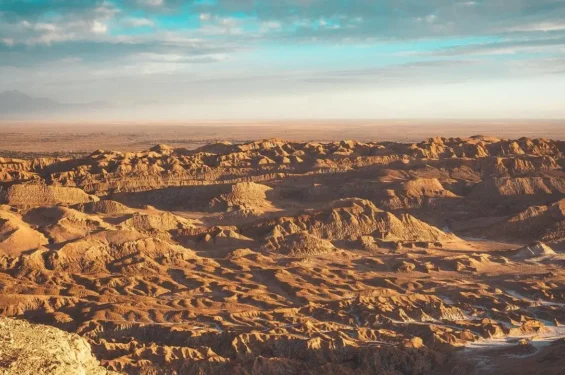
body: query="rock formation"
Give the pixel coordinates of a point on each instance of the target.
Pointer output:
(28, 349)
(276, 257)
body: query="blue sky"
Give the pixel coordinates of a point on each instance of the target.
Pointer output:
(253, 59)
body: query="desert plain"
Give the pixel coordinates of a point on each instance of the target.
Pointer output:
(313, 248)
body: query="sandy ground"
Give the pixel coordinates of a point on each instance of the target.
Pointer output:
(86, 137)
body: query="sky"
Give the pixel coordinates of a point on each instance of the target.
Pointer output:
(294, 59)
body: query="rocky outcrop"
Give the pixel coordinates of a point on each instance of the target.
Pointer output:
(108, 207)
(350, 218)
(27, 349)
(106, 172)
(244, 195)
(17, 236)
(544, 223)
(43, 195)
(522, 186)
(298, 244)
(535, 250)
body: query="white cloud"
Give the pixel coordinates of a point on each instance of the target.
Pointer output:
(205, 17)
(139, 22)
(39, 26)
(270, 25)
(430, 18)
(64, 27)
(50, 37)
(222, 26)
(106, 10)
(152, 3)
(542, 26)
(8, 41)
(70, 60)
(45, 27)
(178, 58)
(99, 27)
(228, 22)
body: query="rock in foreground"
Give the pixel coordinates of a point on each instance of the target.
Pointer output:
(41, 350)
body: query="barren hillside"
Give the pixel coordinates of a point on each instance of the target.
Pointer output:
(277, 257)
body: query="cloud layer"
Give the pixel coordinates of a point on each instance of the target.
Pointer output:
(213, 53)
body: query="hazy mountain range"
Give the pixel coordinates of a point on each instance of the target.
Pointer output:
(15, 102)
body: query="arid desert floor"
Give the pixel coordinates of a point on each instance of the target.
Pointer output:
(195, 252)
(33, 139)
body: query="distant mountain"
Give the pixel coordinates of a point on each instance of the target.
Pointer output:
(18, 103)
